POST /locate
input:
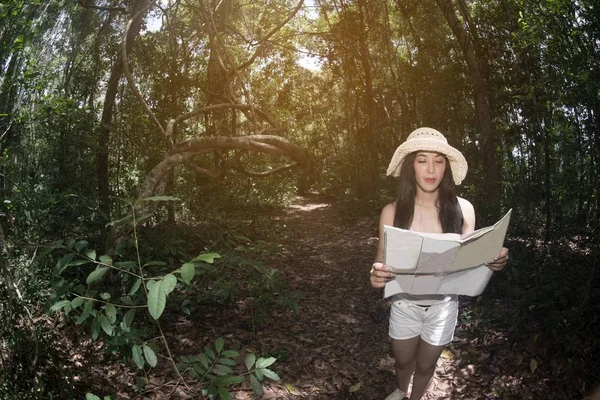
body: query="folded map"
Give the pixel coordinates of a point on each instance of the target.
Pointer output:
(442, 263)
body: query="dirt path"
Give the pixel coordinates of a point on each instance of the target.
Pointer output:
(338, 344)
(339, 339)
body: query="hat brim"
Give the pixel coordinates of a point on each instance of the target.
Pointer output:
(458, 163)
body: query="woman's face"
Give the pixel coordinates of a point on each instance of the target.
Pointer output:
(429, 170)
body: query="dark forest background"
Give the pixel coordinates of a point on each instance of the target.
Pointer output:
(139, 138)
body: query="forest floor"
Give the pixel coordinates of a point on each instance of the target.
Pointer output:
(337, 346)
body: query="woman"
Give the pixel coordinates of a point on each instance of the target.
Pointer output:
(421, 326)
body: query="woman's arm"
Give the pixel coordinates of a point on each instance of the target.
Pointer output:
(380, 273)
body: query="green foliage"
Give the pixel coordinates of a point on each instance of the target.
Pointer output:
(241, 275)
(104, 293)
(214, 370)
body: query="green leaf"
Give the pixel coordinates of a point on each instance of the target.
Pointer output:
(89, 305)
(160, 198)
(265, 362)
(207, 258)
(128, 318)
(91, 253)
(270, 374)
(219, 343)
(111, 313)
(168, 283)
(135, 286)
(209, 352)
(76, 302)
(82, 318)
(150, 356)
(249, 361)
(230, 380)
(78, 262)
(59, 305)
(204, 360)
(106, 259)
(155, 263)
(57, 282)
(90, 396)
(224, 394)
(96, 274)
(95, 329)
(126, 265)
(230, 353)
(256, 386)
(258, 373)
(56, 244)
(105, 324)
(187, 272)
(136, 352)
(69, 243)
(222, 370)
(157, 299)
(80, 245)
(105, 295)
(226, 361)
(63, 263)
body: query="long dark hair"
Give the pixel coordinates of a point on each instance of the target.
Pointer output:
(449, 211)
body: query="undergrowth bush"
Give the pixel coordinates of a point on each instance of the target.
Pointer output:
(122, 298)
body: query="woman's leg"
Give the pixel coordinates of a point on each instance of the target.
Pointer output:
(405, 354)
(426, 359)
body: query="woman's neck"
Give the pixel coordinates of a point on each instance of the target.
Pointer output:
(426, 198)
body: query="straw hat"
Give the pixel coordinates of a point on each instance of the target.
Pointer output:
(428, 139)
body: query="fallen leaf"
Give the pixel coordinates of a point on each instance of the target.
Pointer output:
(355, 387)
(533, 365)
(292, 389)
(447, 354)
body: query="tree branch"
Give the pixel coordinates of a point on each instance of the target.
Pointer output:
(265, 173)
(87, 4)
(129, 76)
(268, 36)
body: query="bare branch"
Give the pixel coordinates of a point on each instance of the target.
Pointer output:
(263, 143)
(87, 4)
(265, 173)
(8, 126)
(221, 106)
(129, 76)
(203, 171)
(269, 35)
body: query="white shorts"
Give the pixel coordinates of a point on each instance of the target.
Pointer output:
(435, 324)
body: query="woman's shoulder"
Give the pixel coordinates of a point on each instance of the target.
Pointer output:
(390, 207)
(465, 204)
(468, 211)
(388, 211)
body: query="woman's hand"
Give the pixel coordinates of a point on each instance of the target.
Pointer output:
(380, 275)
(499, 262)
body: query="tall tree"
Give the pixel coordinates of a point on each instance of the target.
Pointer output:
(466, 36)
(106, 120)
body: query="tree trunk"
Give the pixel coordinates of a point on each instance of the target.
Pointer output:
(107, 117)
(368, 138)
(482, 107)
